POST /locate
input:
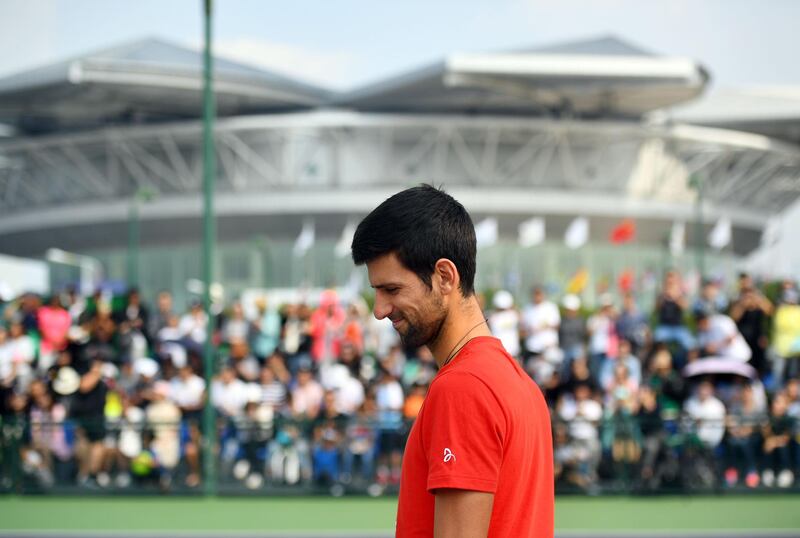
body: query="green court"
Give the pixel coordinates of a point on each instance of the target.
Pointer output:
(327, 516)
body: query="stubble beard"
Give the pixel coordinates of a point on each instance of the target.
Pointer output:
(425, 331)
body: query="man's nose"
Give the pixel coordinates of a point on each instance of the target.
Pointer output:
(382, 308)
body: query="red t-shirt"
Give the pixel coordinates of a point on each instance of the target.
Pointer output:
(484, 426)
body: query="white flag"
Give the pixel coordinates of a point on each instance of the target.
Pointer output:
(720, 235)
(342, 248)
(771, 233)
(305, 240)
(486, 232)
(677, 238)
(531, 232)
(577, 233)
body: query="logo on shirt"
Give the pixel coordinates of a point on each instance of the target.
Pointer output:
(448, 455)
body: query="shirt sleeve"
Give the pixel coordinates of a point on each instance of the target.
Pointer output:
(463, 434)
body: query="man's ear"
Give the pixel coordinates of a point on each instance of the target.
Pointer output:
(445, 276)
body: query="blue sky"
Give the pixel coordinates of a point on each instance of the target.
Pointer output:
(344, 43)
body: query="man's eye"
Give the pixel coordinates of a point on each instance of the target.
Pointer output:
(391, 290)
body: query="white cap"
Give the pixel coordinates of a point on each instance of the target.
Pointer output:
(67, 381)
(145, 367)
(571, 302)
(503, 299)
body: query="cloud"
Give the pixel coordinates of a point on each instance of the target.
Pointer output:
(333, 69)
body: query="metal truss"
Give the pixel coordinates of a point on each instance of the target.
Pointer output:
(342, 150)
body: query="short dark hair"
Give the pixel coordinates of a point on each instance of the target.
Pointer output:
(420, 225)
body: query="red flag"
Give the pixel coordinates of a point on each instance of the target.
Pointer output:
(623, 232)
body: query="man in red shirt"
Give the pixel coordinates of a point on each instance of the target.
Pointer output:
(479, 460)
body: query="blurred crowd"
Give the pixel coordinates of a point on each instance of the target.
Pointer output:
(109, 392)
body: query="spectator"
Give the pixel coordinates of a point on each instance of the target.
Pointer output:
(622, 401)
(273, 391)
(360, 443)
(87, 411)
(504, 322)
(306, 395)
(389, 400)
(710, 299)
(163, 419)
(718, 335)
(777, 436)
(193, 327)
(326, 454)
(651, 428)
(751, 313)
(48, 437)
(188, 392)
(743, 424)
(253, 431)
(632, 325)
(296, 340)
(266, 330)
(708, 416)
(17, 355)
(54, 322)
(571, 333)
(236, 328)
(670, 307)
(245, 364)
(666, 383)
(539, 325)
(326, 328)
(583, 415)
(626, 358)
(102, 344)
(603, 340)
(786, 335)
(134, 316)
(228, 393)
(161, 317)
(353, 332)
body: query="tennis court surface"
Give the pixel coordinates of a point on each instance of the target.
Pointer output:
(763, 516)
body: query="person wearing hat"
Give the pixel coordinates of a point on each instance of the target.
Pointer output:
(479, 457)
(504, 322)
(539, 324)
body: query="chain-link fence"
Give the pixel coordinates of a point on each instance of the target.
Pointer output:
(257, 454)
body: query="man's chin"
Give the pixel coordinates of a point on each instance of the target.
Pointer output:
(412, 338)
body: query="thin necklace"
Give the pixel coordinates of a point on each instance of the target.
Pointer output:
(453, 351)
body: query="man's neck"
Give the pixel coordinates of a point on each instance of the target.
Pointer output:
(464, 322)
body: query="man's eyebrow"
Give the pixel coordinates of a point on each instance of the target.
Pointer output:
(386, 285)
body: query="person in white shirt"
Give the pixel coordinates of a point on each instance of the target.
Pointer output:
(582, 415)
(708, 414)
(540, 322)
(228, 393)
(504, 322)
(194, 324)
(717, 334)
(187, 390)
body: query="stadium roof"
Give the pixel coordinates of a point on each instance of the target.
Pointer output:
(151, 81)
(145, 81)
(603, 77)
(771, 111)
